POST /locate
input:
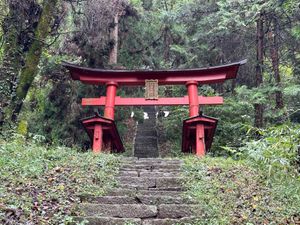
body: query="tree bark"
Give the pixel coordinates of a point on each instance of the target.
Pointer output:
(11, 59)
(33, 56)
(113, 55)
(259, 110)
(274, 50)
(167, 43)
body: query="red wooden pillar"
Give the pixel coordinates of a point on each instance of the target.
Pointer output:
(111, 91)
(98, 135)
(200, 140)
(192, 87)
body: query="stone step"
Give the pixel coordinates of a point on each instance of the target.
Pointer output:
(133, 192)
(135, 221)
(145, 147)
(159, 174)
(93, 220)
(137, 173)
(150, 170)
(143, 128)
(175, 211)
(144, 144)
(120, 210)
(164, 183)
(151, 167)
(181, 221)
(131, 173)
(151, 120)
(144, 188)
(151, 160)
(146, 133)
(137, 199)
(149, 109)
(149, 153)
(162, 199)
(136, 182)
(150, 163)
(162, 211)
(111, 199)
(142, 138)
(146, 153)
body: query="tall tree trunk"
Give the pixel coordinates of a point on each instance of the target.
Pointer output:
(273, 37)
(113, 55)
(10, 65)
(167, 43)
(259, 110)
(32, 59)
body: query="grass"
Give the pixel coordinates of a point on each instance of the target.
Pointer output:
(237, 192)
(42, 185)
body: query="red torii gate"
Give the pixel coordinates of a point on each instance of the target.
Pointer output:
(198, 130)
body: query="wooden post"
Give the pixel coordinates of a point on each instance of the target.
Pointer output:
(200, 140)
(111, 91)
(192, 87)
(98, 135)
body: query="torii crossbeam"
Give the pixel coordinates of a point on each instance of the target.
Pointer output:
(198, 130)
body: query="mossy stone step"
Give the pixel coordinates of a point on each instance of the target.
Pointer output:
(137, 199)
(94, 220)
(151, 162)
(119, 210)
(181, 221)
(165, 166)
(136, 173)
(147, 132)
(133, 192)
(150, 182)
(175, 211)
(135, 221)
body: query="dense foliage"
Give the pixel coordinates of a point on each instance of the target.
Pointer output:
(42, 185)
(258, 128)
(242, 192)
(37, 92)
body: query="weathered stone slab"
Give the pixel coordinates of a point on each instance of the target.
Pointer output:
(161, 199)
(169, 182)
(137, 182)
(128, 173)
(159, 174)
(182, 221)
(121, 192)
(108, 220)
(178, 211)
(178, 170)
(148, 132)
(152, 167)
(170, 189)
(145, 139)
(121, 211)
(155, 192)
(112, 200)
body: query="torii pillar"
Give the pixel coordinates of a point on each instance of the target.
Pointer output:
(194, 107)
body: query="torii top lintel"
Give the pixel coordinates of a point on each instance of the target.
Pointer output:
(207, 75)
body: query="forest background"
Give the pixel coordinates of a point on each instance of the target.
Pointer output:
(40, 106)
(39, 98)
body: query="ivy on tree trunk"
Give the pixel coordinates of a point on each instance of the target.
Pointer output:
(32, 59)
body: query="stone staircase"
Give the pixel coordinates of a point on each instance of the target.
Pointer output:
(149, 192)
(146, 143)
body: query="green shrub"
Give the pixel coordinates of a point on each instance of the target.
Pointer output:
(43, 183)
